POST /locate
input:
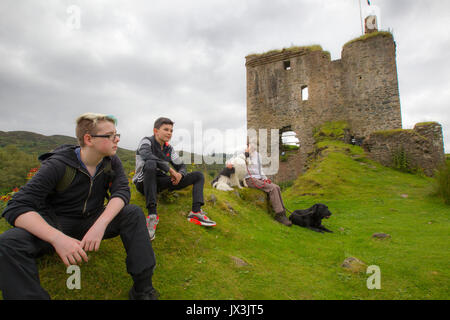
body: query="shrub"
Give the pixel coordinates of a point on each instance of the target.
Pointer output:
(400, 160)
(14, 165)
(442, 185)
(286, 184)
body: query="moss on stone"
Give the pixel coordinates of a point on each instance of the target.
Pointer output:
(387, 133)
(334, 130)
(369, 36)
(421, 124)
(394, 132)
(314, 47)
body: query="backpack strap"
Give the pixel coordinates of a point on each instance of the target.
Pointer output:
(109, 172)
(66, 180)
(70, 172)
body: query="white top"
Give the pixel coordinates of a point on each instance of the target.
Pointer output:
(254, 166)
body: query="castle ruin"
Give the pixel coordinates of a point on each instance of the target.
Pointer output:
(300, 88)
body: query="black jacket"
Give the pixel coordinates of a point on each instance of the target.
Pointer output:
(83, 197)
(150, 149)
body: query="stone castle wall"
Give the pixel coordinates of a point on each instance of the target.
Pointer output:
(361, 88)
(370, 85)
(418, 149)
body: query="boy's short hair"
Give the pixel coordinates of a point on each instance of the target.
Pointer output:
(160, 121)
(87, 123)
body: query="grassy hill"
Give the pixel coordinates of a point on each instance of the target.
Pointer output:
(37, 144)
(33, 142)
(19, 151)
(27, 146)
(250, 256)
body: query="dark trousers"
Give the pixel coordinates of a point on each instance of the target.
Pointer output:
(154, 183)
(19, 277)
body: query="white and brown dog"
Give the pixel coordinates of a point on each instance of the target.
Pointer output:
(230, 177)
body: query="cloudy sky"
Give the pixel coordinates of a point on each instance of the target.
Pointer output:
(185, 60)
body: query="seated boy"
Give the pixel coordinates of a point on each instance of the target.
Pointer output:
(153, 156)
(62, 209)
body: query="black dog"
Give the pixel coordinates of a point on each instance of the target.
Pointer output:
(311, 218)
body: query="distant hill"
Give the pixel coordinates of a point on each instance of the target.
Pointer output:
(33, 142)
(30, 145)
(38, 143)
(19, 151)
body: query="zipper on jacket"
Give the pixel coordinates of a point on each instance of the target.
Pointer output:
(90, 189)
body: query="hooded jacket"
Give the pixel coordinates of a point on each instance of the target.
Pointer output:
(150, 149)
(84, 196)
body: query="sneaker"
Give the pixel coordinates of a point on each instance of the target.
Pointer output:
(152, 222)
(151, 294)
(200, 219)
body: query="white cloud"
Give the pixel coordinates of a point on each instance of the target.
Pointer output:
(186, 59)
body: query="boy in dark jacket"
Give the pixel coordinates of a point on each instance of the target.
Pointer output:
(153, 174)
(62, 209)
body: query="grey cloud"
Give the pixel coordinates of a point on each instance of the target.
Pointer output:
(139, 60)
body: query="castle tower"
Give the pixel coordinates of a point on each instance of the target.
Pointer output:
(370, 84)
(361, 88)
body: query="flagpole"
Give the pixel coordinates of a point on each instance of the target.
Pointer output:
(360, 18)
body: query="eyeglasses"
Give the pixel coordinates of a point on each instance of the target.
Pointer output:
(111, 137)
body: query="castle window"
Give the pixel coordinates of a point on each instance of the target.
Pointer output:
(305, 93)
(287, 65)
(289, 143)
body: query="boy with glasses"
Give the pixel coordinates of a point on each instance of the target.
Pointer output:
(154, 174)
(62, 209)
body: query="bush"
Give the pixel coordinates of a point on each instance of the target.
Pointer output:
(443, 182)
(400, 161)
(3, 203)
(14, 165)
(286, 184)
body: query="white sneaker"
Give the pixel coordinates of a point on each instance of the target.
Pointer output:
(152, 222)
(200, 218)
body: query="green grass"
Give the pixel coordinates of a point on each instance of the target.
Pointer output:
(288, 263)
(442, 185)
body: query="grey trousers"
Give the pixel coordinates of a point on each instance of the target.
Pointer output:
(272, 189)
